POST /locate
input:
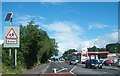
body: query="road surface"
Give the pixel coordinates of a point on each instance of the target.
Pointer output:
(64, 69)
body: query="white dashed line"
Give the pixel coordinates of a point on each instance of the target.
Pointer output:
(59, 65)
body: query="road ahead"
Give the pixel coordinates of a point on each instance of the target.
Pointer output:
(64, 69)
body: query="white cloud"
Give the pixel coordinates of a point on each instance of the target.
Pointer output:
(42, 18)
(1, 42)
(68, 35)
(101, 41)
(24, 19)
(97, 26)
(53, 2)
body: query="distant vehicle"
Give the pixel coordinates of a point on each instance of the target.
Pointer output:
(103, 60)
(93, 63)
(118, 62)
(108, 62)
(61, 60)
(73, 60)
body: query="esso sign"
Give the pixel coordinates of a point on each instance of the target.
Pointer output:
(84, 50)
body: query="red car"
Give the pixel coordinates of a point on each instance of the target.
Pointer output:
(108, 62)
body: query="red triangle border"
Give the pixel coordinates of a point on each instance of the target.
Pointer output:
(14, 33)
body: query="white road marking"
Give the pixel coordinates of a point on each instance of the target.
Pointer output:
(72, 69)
(71, 72)
(105, 72)
(55, 70)
(60, 65)
(62, 69)
(43, 71)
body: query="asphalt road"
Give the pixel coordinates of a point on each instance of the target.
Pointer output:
(80, 69)
(64, 69)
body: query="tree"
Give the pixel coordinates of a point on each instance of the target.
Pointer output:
(66, 54)
(113, 48)
(93, 49)
(35, 46)
(101, 49)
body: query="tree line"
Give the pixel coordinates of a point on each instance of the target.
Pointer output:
(111, 48)
(36, 47)
(67, 54)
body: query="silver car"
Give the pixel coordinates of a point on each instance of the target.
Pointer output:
(73, 61)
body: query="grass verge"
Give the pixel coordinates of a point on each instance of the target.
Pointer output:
(11, 70)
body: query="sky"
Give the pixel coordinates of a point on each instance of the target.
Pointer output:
(74, 25)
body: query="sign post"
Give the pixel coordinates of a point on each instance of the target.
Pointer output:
(11, 39)
(11, 36)
(15, 57)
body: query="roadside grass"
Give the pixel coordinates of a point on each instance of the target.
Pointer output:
(11, 70)
(0, 59)
(0, 50)
(7, 69)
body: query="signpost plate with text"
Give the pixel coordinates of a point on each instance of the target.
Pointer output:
(11, 36)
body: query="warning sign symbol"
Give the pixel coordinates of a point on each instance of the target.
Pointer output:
(11, 35)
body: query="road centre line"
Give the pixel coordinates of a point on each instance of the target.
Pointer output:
(59, 65)
(43, 71)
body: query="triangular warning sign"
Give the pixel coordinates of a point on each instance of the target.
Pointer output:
(11, 34)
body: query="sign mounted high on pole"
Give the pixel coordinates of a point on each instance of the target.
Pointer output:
(11, 36)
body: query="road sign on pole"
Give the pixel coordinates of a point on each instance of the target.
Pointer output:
(11, 36)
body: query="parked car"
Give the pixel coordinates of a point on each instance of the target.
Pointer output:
(118, 62)
(108, 62)
(73, 61)
(93, 63)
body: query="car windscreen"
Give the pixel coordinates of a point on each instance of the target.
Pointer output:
(74, 58)
(93, 61)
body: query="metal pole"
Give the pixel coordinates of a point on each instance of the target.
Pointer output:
(9, 52)
(10, 25)
(15, 57)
